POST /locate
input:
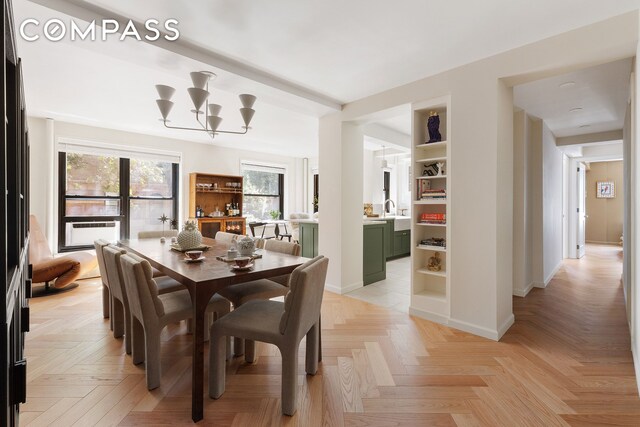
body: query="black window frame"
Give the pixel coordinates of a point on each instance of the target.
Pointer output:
(124, 197)
(280, 193)
(386, 180)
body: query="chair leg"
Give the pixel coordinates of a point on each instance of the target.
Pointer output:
(249, 351)
(289, 378)
(127, 330)
(229, 349)
(238, 346)
(137, 341)
(106, 302)
(152, 359)
(311, 356)
(217, 366)
(117, 316)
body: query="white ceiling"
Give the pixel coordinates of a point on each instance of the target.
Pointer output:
(601, 94)
(298, 57)
(351, 49)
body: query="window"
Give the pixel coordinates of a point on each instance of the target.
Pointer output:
(110, 197)
(386, 189)
(263, 191)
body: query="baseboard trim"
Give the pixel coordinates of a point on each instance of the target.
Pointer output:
(523, 292)
(344, 289)
(475, 329)
(553, 273)
(509, 321)
(438, 318)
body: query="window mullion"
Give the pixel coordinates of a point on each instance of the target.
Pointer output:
(125, 178)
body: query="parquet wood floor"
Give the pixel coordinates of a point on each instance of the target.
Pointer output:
(566, 361)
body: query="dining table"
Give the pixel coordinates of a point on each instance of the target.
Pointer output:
(203, 279)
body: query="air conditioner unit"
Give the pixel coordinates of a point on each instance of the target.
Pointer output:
(85, 233)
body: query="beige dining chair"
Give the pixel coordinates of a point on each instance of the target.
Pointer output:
(151, 312)
(157, 234)
(106, 293)
(281, 324)
(260, 289)
(119, 303)
(224, 237)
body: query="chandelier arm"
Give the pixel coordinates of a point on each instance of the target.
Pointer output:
(246, 129)
(184, 128)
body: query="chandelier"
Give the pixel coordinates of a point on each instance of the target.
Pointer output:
(209, 120)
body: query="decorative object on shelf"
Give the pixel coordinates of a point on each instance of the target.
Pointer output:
(435, 263)
(434, 241)
(440, 166)
(274, 215)
(200, 97)
(433, 125)
(368, 209)
(605, 190)
(246, 246)
(163, 219)
(189, 237)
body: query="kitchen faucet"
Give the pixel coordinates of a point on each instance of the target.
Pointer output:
(384, 207)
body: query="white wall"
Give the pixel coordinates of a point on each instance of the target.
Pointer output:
(481, 221)
(373, 181)
(207, 158)
(552, 204)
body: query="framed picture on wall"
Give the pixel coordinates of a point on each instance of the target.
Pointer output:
(605, 190)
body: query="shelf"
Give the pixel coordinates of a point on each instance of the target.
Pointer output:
(431, 177)
(432, 248)
(432, 145)
(432, 273)
(431, 202)
(431, 225)
(219, 191)
(431, 159)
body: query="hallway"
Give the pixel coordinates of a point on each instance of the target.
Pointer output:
(566, 361)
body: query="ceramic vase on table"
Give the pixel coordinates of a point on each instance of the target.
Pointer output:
(246, 246)
(189, 237)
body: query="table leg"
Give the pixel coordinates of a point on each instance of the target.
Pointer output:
(199, 303)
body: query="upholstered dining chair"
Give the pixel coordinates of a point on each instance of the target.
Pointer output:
(106, 292)
(281, 324)
(151, 312)
(57, 273)
(120, 310)
(224, 237)
(262, 288)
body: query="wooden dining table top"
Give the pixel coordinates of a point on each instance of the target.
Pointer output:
(174, 264)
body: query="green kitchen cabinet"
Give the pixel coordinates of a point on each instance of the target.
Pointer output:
(374, 260)
(388, 238)
(308, 235)
(401, 243)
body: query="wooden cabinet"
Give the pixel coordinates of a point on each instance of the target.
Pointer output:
(401, 243)
(374, 259)
(388, 237)
(308, 236)
(213, 195)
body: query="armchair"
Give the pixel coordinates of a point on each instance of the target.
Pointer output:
(58, 274)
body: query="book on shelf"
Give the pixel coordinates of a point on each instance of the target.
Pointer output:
(433, 222)
(433, 216)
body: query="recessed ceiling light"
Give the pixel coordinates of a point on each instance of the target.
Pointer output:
(567, 84)
(584, 126)
(575, 110)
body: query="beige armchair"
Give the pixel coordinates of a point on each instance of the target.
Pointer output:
(57, 274)
(281, 324)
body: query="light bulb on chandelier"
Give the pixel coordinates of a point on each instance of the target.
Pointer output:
(199, 95)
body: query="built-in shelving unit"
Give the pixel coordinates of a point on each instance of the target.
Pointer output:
(431, 163)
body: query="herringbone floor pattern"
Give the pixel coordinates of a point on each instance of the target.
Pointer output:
(566, 361)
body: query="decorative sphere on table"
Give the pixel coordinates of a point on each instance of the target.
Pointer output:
(433, 125)
(189, 237)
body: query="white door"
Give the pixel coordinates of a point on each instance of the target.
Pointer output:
(582, 215)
